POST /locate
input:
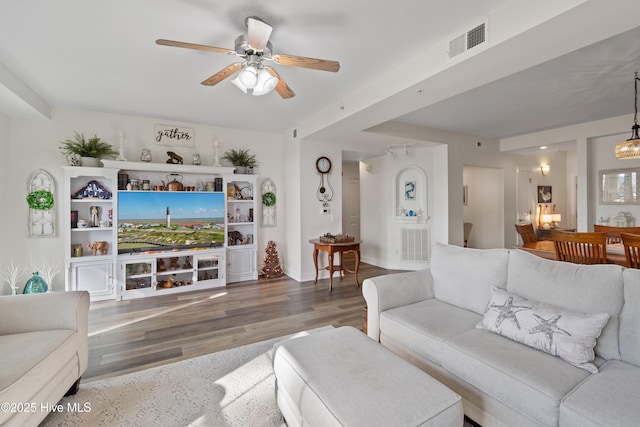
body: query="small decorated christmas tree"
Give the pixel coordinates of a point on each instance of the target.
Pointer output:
(271, 265)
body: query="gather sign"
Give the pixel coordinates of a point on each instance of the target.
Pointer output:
(174, 136)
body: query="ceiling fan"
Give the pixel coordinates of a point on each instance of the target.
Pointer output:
(254, 77)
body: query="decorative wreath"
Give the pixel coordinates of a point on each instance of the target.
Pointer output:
(40, 200)
(269, 199)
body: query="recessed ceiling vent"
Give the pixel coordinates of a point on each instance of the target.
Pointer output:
(466, 41)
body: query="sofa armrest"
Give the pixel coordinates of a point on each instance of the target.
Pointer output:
(44, 312)
(394, 290)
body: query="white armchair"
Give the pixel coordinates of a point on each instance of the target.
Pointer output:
(44, 347)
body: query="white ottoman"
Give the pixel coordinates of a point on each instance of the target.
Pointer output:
(341, 377)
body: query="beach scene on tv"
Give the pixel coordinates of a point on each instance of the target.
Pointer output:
(164, 220)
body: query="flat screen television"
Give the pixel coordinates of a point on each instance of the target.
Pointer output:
(167, 220)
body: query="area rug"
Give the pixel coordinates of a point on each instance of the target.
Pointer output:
(234, 387)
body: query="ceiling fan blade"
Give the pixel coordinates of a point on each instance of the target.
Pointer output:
(305, 62)
(282, 88)
(206, 48)
(223, 74)
(258, 32)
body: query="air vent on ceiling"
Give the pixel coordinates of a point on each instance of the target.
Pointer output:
(466, 41)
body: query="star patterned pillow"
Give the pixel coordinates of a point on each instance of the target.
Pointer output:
(556, 331)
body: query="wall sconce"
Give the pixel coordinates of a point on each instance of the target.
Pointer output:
(544, 169)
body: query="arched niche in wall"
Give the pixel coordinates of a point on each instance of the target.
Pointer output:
(410, 195)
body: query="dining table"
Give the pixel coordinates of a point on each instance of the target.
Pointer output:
(545, 249)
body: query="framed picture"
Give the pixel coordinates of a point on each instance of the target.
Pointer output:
(465, 194)
(544, 194)
(619, 187)
(409, 190)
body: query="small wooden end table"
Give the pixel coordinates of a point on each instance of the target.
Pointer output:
(330, 249)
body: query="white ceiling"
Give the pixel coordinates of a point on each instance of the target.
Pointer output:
(101, 56)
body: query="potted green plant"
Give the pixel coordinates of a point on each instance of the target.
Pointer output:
(90, 151)
(240, 158)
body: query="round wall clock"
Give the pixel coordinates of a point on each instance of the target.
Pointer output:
(324, 193)
(323, 164)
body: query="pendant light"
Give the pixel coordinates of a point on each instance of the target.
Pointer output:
(630, 149)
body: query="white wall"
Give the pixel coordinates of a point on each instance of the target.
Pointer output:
(381, 242)
(595, 145)
(313, 223)
(5, 225)
(33, 144)
(562, 167)
(603, 158)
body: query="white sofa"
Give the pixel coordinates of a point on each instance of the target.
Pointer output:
(44, 347)
(429, 317)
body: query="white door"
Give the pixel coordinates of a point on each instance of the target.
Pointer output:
(351, 199)
(485, 206)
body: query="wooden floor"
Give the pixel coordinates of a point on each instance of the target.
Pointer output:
(127, 336)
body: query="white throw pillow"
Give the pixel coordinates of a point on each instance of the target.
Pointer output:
(568, 335)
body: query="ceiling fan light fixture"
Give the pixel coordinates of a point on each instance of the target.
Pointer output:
(236, 81)
(249, 77)
(254, 47)
(266, 83)
(630, 149)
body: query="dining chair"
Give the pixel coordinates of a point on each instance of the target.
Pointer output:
(613, 233)
(631, 244)
(580, 247)
(527, 233)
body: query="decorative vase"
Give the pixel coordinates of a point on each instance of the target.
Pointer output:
(90, 161)
(35, 285)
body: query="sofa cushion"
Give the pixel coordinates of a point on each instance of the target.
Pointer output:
(609, 398)
(529, 381)
(556, 331)
(423, 327)
(587, 289)
(32, 359)
(463, 276)
(630, 318)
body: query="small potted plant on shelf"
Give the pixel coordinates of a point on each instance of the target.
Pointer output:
(241, 159)
(88, 151)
